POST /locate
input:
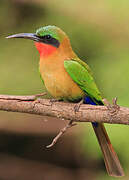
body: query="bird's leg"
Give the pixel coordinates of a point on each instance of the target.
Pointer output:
(77, 106)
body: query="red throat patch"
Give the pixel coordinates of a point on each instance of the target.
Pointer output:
(45, 49)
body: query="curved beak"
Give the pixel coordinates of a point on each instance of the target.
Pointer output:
(31, 36)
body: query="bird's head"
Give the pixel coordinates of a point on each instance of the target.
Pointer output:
(47, 39)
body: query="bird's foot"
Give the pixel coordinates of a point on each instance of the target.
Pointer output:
(77, 106)
(112, 108)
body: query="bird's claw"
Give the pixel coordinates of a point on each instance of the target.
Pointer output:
(77, 106)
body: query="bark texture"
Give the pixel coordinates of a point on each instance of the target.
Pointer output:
(113, 114)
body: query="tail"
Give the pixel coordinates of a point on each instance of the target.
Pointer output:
(111, 160)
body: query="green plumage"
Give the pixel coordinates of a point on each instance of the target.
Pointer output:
(80, 74)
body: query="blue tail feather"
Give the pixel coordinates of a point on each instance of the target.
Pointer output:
(88, 100)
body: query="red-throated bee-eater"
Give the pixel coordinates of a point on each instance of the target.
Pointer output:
(68, 78)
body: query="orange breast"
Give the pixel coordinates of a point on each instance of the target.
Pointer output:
(57, 81)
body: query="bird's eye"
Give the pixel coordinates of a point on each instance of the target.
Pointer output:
(47, 37)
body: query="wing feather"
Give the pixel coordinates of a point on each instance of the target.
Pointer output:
(80, 74)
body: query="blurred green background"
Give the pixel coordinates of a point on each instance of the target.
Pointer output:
(99, 34)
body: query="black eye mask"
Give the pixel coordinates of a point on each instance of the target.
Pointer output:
(48, 39)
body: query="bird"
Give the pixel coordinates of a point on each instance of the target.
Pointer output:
(68, 78)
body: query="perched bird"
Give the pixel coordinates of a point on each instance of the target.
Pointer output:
(68, 78)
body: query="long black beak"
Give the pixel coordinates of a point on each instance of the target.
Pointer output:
(31, 36)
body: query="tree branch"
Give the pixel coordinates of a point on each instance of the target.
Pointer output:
(113, 114)
(62, 131)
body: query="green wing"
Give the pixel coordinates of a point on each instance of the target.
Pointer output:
(83, 77)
